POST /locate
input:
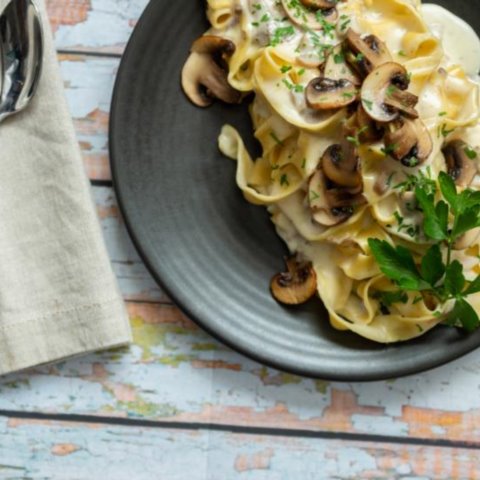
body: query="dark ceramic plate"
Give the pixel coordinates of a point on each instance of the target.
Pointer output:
(209, 249)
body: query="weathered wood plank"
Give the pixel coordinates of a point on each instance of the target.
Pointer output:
(175, 372)
(94, 25)
(88, 87)
(42, 449)
(134, 280)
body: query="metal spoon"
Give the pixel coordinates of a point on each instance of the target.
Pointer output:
(21, 43)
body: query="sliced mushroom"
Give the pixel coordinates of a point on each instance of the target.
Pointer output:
(332, 207)
(306, 16)
(340, 166)
(204, 75)
(461, 168)
(401, 100)
(326, 94)
(384, 95)
(408, 141)
(308, 53)
(319, 4)
(337, 68)
(365, 54)
(369, 130)
(327, 7)
(295, 286)
(467, 239)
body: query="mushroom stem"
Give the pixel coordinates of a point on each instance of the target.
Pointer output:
(408, 141)
(204, 75)
(459, 166)
(384, 96)
(365, 54)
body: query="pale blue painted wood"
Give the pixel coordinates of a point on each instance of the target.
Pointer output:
(81, 452)
(107, 26)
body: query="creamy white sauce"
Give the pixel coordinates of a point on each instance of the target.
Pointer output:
(460, 42)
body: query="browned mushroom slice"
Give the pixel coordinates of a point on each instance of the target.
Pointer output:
(319, 4)
(460, 167)
(337, 68)
(295, 286)
(330, 15)
(326, 7)
(204, 75)
(331, 205)
(401, 100)
(325, 209)
(326, 94)
(369, 130)
(381, 86)
(309, 17)
(340, 166)
(343, 198)
(408, 141)
(365, 54)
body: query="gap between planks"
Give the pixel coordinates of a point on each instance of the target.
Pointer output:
(88, 53)
(274, 432)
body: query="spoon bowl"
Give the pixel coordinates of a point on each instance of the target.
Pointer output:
(21, 47)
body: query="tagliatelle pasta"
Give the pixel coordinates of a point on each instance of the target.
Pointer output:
(295, 55)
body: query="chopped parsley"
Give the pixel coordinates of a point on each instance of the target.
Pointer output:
(284, 180)
(470, 153)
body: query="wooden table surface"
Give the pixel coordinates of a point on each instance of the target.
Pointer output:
(178, 405)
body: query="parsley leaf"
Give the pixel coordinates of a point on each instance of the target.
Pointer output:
(433, 226)
(397, 264)
(474, 287)
(454, 278)
(463, 315)
(449, 190)
(432, 266)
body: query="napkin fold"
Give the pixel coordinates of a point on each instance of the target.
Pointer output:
(58, 295)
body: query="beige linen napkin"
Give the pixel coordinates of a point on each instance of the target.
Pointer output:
(58, 295)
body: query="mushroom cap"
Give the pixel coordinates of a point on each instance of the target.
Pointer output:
(337, 68)
(326, 94)
(379, 87)
(340, 166)
(319, 4)
(461, 168)
(330, 206)
(213, 45)
(308, 18)
(295, 286)
(366, 53)
(408, 139)
(369, 130)
(204, 75)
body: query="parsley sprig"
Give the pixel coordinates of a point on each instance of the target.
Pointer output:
(444, 222)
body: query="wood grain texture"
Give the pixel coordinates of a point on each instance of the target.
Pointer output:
(134, 280)
(61, 450)
(94, 25)
(176, 373)
(88, 87)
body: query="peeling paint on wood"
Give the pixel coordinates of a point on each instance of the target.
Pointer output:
(165, 377)
(88, 87)
(175, 372)
(29, 450)
(94, 25)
